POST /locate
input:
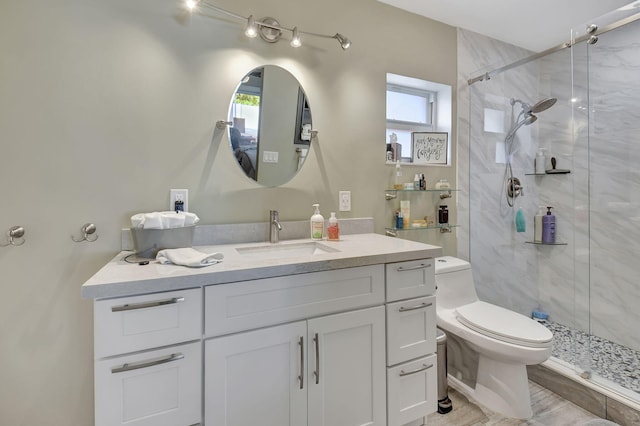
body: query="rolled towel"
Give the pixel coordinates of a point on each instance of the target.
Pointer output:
(137, 220)
(188, 257)
(172, 220)
(152, 221)
(190, 218)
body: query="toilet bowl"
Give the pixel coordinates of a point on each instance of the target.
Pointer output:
(503, 342)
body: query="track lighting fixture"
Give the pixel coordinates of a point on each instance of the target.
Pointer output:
(268, 29)
(252, 30)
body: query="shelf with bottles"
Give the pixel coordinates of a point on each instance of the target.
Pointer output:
(444, 228)
(390, 194)
(540, 243)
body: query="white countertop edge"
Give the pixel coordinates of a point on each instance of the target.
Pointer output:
(119, 278)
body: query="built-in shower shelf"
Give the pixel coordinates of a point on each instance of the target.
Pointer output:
(546, 244)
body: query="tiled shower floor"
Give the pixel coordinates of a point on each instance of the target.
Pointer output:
(609, 360)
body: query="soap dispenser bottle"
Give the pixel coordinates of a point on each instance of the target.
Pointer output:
(537, 225)
(317, 224)
(333, 229)
(549, 227)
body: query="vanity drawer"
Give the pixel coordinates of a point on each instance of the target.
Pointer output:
(136, 323)
(411, 329)
(406, 280)
(252, 304)
(152, 388)
(412, 390)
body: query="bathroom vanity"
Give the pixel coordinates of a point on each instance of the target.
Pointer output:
(295, 333)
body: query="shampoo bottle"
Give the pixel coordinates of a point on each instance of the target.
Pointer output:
(521, 224)
(333, 229)
(540, 162)
(317, 224)
(549, 227)
(537, 225)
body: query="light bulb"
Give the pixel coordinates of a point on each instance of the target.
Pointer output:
(251, 30)
(191, 4)
(295, 39)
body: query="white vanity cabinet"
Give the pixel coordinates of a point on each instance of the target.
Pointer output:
(345, 338)
(411, 341)
(322, 369)
(148, 367)
(325, 371)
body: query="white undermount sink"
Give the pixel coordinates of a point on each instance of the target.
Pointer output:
(283, 250)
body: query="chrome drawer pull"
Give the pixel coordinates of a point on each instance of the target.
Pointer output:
(145, 364)
(133, 306)
(424, 367)
(420, 306)
(413, 268)
(301, 376)
(316, 373)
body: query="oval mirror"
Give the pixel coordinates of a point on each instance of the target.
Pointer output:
(271, 132)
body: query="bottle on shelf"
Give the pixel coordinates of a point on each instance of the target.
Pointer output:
(549, 227)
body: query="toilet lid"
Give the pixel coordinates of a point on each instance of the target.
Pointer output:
(503, 324)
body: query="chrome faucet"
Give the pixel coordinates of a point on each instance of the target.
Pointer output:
(274, 226)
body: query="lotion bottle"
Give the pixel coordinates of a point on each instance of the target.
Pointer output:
(537, 225)
(317, 224)
(333, 230)
(549, 227)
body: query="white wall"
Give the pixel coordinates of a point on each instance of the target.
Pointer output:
(106, 105)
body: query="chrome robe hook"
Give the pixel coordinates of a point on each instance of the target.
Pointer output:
(88, 230)
(15, 236)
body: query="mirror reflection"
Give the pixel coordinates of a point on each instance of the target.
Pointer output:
(271, 132)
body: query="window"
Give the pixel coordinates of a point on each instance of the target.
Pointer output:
(414, 105)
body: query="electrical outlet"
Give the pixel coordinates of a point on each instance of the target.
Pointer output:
(344, 199)
(179, 196)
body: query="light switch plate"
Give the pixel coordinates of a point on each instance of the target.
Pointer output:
(270, 156)
(344, 199)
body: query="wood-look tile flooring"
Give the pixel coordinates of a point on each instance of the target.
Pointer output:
(549, 409)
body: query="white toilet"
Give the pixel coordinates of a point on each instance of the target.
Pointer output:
(501, 342)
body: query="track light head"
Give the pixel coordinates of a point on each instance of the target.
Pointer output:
(252, 29)
(345, 43)
(295, 38)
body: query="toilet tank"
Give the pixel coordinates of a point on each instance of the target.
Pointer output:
(454, 282)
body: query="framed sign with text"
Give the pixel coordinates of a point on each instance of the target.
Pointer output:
(429, 147)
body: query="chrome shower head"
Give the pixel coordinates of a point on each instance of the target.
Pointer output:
(540, 106)
(543, 105)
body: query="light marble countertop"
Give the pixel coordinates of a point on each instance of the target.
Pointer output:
(120, 278)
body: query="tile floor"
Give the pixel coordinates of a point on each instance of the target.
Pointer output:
(549, 409)
(610, 360)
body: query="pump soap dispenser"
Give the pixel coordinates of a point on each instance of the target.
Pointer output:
(549, 227)
(317, 224)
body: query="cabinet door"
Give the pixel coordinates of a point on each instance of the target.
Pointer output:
(412, 390)
(411, 329)
(256, 378)
(346, 373)
(153, 388)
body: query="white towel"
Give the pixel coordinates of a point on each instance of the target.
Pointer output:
(164, 220)
(172, 220)
(188, 257)
(152, 221)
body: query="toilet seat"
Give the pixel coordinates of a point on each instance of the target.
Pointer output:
(503, 324)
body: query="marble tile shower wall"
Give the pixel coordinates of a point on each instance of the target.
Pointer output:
(599, 222)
